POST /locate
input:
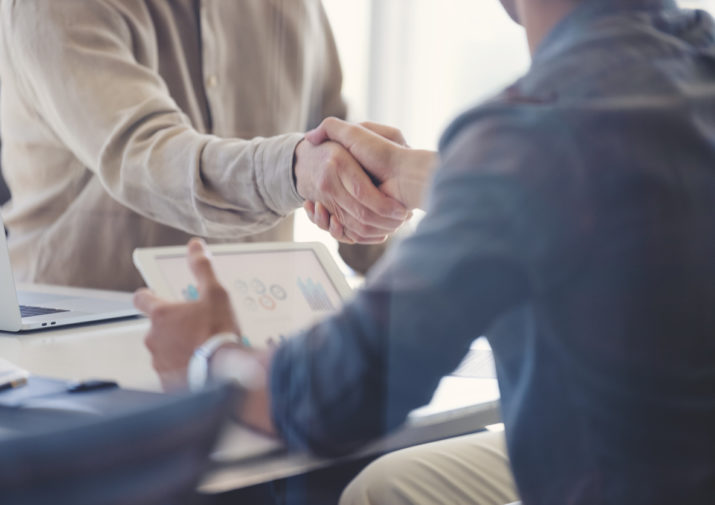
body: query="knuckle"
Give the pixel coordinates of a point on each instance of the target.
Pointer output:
(385, 153)
(386, 207)
(358, 228)
(363, 214)
(339, 214)
(330, 121)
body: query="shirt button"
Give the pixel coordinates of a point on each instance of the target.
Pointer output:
(211, 81)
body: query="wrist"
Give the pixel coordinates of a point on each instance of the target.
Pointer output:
(235, 363)
(422, 164)
(199, 372)
(298, 168)
(247, 368)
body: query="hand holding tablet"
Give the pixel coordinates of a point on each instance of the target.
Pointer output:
(276, 289)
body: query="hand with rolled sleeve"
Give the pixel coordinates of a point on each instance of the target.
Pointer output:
(402, 173)
(153, 123)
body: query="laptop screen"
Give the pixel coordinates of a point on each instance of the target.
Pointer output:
(274, 293)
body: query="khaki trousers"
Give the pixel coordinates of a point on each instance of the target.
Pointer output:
(468, 470)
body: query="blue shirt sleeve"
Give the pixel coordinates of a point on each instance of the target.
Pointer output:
(359, 373)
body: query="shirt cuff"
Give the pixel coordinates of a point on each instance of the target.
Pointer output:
(274, 173)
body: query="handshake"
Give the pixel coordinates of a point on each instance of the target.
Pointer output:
(360, 181)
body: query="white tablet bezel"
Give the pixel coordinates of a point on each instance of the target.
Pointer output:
(145, 259)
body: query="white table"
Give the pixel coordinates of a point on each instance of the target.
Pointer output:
(115, 350)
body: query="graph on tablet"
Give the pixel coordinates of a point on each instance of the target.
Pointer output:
(274, 293)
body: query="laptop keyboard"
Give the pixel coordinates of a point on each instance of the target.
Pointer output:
(479, 364)
(29, 311)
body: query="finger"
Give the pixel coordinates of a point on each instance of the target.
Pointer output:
(146, 301)
(337, 231)
(352, 237)
(322, 216)
(201, 267)
(347, 235)
(359, 229)
(368, 204)
(388, 132)
(309, 208)
(375, 153)
(341, 204)
(317, 135)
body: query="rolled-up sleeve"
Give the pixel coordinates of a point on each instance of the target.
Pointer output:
(77, 61)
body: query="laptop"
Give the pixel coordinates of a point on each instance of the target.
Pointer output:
(45, 308)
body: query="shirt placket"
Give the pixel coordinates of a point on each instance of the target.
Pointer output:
(210, 57)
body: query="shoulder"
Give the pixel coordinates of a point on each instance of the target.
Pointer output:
(518, 154)
(38, 23)
(50, 36)
(512, 134)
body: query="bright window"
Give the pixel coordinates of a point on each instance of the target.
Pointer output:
(415, 64)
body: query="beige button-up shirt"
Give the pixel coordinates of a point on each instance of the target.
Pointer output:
(130, 123)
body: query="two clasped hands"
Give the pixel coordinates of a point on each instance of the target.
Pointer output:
(360, 182)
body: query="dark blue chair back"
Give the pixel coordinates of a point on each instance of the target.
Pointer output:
(153, 456)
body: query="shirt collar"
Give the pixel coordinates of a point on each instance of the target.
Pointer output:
(587, 10)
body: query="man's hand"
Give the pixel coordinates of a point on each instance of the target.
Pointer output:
(177, 329)
(402, 173)
(326, 173)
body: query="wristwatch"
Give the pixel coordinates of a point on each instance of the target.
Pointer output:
(198, 372)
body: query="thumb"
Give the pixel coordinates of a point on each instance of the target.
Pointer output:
(200, 265)
(146, 301)
(375, 153)
(317, 135)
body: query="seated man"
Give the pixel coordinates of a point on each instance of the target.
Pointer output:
(136, 123)
(571, 221)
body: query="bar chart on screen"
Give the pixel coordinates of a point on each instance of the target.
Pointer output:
(315, 295)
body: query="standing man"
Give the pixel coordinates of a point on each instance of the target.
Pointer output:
(572, 221)
(132, 123)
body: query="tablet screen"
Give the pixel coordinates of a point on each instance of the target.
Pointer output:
(275, 293)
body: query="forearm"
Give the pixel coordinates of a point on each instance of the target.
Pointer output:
(201, 184)
(117, 118)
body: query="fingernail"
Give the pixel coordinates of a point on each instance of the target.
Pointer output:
(399, 214)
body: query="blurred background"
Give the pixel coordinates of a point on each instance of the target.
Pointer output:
(404, 64)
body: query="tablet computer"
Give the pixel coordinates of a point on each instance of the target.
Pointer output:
(276, 288)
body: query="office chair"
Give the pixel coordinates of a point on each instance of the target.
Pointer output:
(4, 190)
(152, 456)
